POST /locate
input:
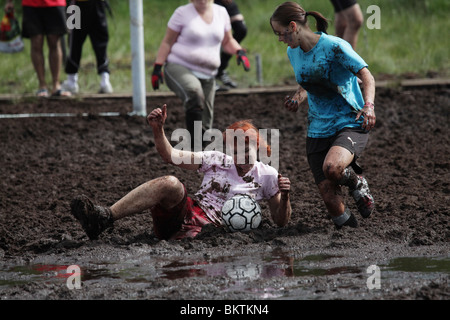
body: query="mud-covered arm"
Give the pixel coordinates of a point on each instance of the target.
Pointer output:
(179, 158)
(280, 204)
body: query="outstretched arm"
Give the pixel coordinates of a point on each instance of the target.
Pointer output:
(156, 120)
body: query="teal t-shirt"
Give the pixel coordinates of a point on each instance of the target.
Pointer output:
(327, 73)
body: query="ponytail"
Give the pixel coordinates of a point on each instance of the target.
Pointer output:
(321, 21)
(292, 11)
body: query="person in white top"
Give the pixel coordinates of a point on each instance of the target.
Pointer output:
(177, 215)
(190, 53)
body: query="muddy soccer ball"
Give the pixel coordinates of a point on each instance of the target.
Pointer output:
(241, 213)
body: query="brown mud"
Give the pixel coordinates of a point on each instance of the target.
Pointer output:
(45, 162)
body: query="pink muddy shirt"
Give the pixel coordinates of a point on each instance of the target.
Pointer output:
(44, 3)
(221, 181)
(198, 44)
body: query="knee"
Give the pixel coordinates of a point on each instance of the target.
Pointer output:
(332, 171)
(169, 183)
(355, 22)
(53, 42)
(356, 18)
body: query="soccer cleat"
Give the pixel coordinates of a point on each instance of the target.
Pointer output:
(94, 219)
(226, 80)
(363, 197)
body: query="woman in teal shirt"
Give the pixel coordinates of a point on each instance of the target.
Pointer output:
(340, 115)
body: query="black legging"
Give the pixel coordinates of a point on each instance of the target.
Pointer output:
(93, 23)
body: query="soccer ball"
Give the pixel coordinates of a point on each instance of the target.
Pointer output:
(241, 213)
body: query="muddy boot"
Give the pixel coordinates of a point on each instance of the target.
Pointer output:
(363, 198)
(94, 219)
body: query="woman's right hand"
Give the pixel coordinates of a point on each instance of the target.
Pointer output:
(157, 117)
(291, 104)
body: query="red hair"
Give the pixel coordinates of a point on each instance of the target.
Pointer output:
(253, 133)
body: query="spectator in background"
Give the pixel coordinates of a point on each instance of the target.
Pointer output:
(348, 19)
(239, 32)
(94, 25)
(190, 53)
(44, 18)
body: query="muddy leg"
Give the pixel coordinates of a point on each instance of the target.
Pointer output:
(165, 191)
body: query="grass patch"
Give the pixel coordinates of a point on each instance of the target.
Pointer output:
(412, 40)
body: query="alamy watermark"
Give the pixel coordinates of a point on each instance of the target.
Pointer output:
(74, 20)
(239, 139)
(74, 280)
(374, 20)
(374, 280)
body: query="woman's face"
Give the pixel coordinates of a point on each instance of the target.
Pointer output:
(201, 5)
(284, 34)
(245, 157)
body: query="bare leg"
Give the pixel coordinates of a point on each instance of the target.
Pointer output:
(55, 59)
(37, 58)
(348, 22)
(337, 159)
(166, 191)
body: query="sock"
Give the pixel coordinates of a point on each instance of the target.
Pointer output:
(340, 220)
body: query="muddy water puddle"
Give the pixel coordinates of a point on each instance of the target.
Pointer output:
(240, 271)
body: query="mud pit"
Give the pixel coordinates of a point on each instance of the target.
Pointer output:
(45, 162)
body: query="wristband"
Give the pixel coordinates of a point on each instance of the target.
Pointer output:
(369, 104)
(157, 67)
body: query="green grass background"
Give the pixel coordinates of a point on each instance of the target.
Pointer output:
(413, 40)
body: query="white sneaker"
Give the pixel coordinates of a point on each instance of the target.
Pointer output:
(70, 86)
(105, 85)
(106, 88)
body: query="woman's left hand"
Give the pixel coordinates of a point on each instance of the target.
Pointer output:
(284, 184)
(368, 112)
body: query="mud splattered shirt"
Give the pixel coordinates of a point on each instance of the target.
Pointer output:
(327, 73)
(221, 181)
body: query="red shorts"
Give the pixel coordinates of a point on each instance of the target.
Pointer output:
(184, 220)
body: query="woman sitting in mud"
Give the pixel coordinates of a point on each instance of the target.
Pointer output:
(176, 215)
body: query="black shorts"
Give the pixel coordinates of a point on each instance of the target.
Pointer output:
(232, 8)
(340, 5)
(48, 20)
(352, 139)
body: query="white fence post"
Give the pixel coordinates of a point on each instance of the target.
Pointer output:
(138, 57)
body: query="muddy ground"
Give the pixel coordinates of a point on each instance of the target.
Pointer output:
(45, 162)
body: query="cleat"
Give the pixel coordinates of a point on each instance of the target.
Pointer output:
(93, 219)
(363, 198)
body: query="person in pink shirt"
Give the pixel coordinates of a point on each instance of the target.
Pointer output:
(177, 215)
(44, 19)
(190, 54)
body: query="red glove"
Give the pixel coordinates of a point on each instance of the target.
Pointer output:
(157, 76)
(242, 57)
